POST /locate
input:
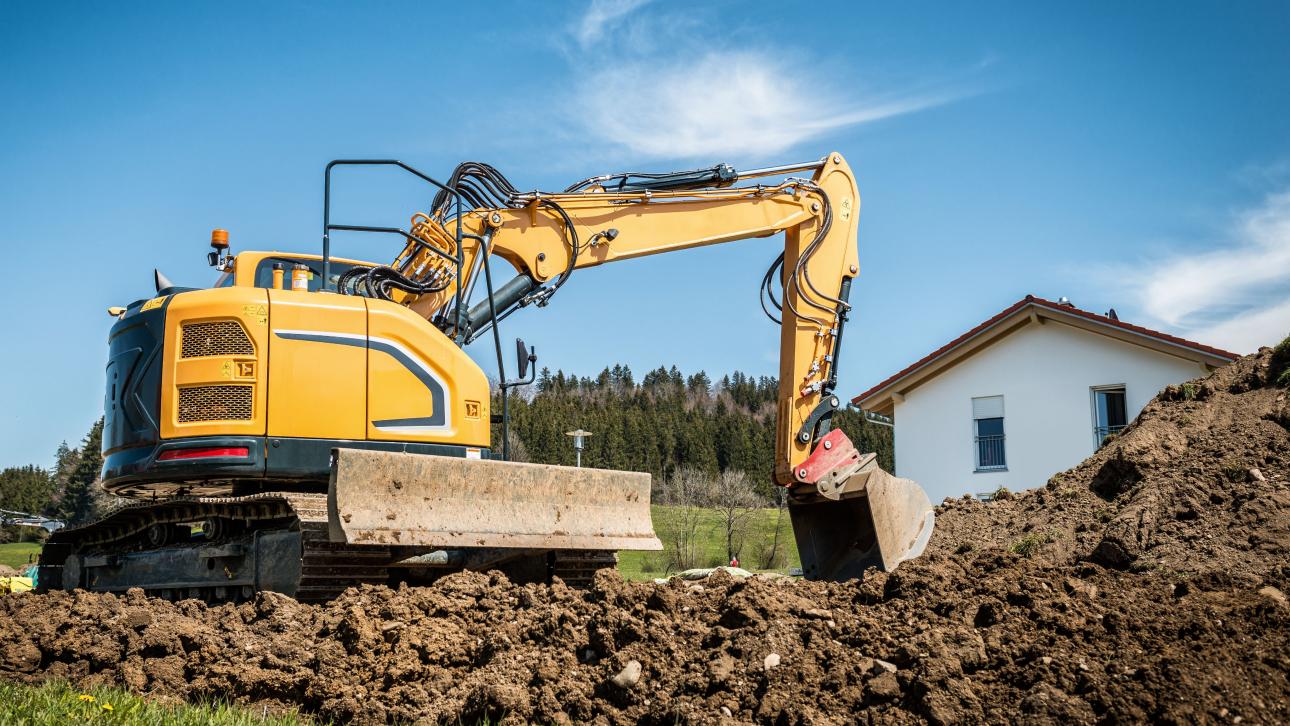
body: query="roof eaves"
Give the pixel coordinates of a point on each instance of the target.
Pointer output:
(1029, 300)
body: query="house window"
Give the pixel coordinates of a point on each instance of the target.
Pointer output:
(1109, 413)
(987, 424)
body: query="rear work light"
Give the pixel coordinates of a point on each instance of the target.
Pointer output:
(205, 453)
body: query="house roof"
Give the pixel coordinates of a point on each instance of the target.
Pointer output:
(1028, 309)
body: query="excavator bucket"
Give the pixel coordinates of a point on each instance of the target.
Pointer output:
(388, 498)
(857, 515)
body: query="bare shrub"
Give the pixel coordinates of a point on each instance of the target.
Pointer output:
(735, 500)
(686, 491)
(774, 554)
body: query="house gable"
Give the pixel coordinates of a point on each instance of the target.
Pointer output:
(1041, 380)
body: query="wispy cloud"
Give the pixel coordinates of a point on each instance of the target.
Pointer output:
(731, 103)
(692, 96)
(600, 16)
(1237, 295)
(1248, 331)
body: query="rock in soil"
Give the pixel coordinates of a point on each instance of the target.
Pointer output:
(1152, 596)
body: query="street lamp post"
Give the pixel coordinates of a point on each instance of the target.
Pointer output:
(579, 441)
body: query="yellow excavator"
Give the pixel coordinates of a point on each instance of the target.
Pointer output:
(312, 422)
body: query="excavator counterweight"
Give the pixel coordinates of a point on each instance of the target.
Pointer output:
(313, 422)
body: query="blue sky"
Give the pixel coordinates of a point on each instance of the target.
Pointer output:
(1133, 156)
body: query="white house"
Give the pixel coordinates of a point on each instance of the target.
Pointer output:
(1028, 393)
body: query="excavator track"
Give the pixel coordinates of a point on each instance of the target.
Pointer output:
(577, 568)
(270, 541)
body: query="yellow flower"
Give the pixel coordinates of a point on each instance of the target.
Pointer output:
(107, 707)
(87, 697)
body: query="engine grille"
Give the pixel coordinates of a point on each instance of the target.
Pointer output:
(215, 403)
(221, 337)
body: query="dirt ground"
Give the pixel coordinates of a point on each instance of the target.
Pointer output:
(1146, 584)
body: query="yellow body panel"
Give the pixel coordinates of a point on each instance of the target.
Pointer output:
(249, 308)
(319, 386)
(408, 359)
(325, 366)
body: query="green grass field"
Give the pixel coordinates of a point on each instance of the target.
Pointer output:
(15, 554)
(56, 702)
(712, 546)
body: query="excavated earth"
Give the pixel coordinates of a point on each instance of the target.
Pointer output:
(1146, 584)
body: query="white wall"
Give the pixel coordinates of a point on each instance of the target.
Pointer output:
(1044, 373)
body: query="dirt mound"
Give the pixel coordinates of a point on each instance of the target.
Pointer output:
(1146, 584)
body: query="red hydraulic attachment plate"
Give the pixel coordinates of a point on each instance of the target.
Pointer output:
(834, 461)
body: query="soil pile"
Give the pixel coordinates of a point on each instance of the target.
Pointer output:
(1146, 584)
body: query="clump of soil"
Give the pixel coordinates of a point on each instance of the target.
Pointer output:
(1147, 584)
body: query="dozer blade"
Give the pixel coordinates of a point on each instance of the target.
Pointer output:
(389, 498)
(858, 516)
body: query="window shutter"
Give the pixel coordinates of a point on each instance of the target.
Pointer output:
(987, 407)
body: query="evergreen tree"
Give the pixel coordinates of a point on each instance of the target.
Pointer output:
(26, 489)
(65, 460)
(79, 501)
(666, 422)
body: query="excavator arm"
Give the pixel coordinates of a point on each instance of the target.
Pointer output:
(547, 237)
(848, 513)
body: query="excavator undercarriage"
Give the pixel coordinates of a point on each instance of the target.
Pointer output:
(221, 549)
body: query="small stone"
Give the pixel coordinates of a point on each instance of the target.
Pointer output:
(629, 676)
(1046, 660)
(1075, 586)
(818, 614)
(880, 664)
(1256, 475)
(1269, 591)
(771, 661)
(884, 685)
(726, 712)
